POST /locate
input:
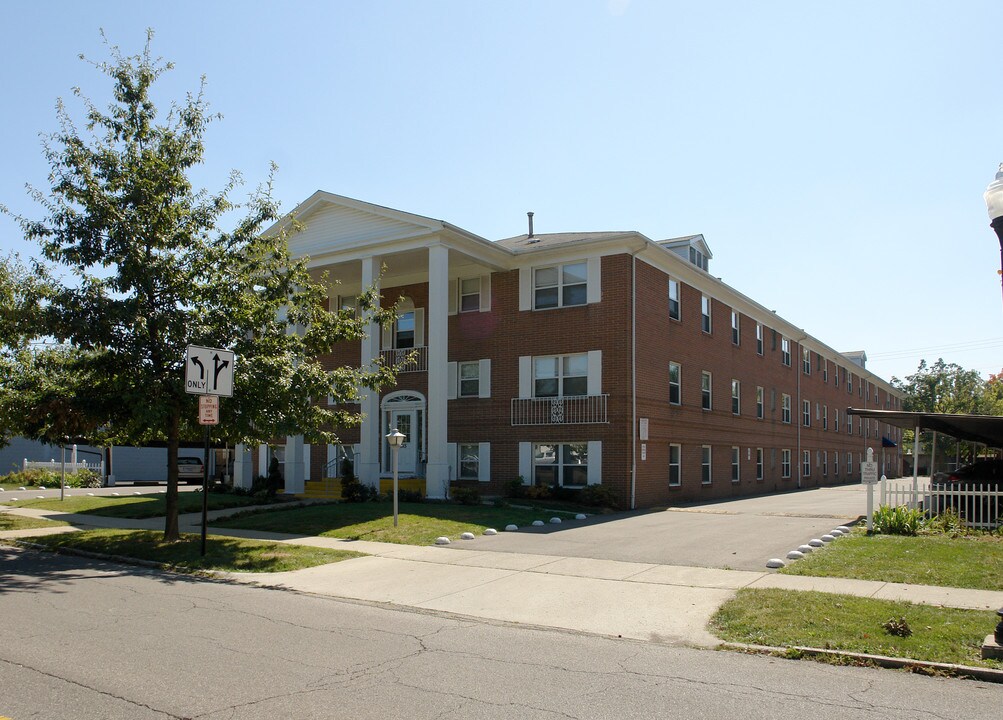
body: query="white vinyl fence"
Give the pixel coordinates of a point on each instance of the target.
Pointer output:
(978, 506)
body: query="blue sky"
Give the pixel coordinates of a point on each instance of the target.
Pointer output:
(834, 156)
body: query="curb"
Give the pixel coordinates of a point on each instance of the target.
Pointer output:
(924, 667)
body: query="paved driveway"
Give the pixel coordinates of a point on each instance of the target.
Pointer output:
(740, 534)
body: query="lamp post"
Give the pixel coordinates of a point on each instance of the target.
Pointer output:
(395, 438)
(993, 646)
(994, 204)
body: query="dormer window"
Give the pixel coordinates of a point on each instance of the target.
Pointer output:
(698, 258)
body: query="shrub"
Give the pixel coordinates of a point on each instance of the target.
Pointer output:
(597, 496)
(466, 496)
(898, 520)
(83, 479)
(354, 491)
(536, 492)
(947, 522)
(515, 488)
(52, 478)
(410, 496)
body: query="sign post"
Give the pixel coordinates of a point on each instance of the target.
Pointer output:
(209, 374)
(869, 477)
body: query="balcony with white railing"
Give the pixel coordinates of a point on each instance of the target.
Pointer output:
(410, 359)
(571, 410)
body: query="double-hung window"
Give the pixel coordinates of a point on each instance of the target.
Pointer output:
(705, 469)
(759, 339)
(469, 377)
(404, 330)
(736, 464)
(735, 336)
(825, 417)
(806, 361)
(470, 295)
(785, 351)
(806, 463)
(705, 313)
(785, 463)
(806, 413)
(675, 459)
(560, 286)
(736, 400)
(759, 403)
(566, 465)
(469, 461)
(705, 390)
(835, 464)
(759, 463)
(675, 383)
(785, 409)
(560, 375)
(674, 299)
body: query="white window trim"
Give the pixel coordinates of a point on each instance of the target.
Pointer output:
(709, 464)
(527, 386)
(593, 285)
(679, 465)
(483, 379)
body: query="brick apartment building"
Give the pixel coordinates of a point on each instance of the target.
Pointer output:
(578, 358)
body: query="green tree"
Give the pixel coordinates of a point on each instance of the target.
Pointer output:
(944, 388)
(139, 266)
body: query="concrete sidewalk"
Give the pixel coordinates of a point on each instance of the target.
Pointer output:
(644, 601)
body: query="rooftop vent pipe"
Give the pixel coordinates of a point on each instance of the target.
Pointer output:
(530, 216)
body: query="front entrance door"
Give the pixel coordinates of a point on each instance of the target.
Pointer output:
(405, 422)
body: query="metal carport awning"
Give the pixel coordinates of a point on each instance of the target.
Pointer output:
(986, 429)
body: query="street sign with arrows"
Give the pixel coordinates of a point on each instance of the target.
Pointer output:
(208, 371)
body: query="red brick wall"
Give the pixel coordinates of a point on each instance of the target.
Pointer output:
(505, 333)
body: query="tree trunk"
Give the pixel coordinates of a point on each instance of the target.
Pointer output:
(171, 532)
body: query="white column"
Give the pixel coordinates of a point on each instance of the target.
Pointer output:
(367, 466)
(294, 469)
(242, 467)
(437, 471)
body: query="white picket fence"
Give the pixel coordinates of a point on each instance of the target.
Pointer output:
(978, 507)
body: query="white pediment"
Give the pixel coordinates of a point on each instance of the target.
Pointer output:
(333, 224)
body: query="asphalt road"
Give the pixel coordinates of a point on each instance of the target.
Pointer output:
(90, 639)
(739, 534)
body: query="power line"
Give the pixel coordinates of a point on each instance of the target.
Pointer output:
(969, 346)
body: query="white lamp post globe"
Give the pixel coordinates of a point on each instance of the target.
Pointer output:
(994, 204)
(396, 438)
(994, 196)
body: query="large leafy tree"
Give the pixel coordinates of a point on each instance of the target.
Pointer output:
(947, 388)
(137, 265)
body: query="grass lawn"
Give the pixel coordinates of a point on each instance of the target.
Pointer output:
(135, 506)
(783, 618)
(222, 553)
(418, 523)
(17, 522)
(967, 561)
